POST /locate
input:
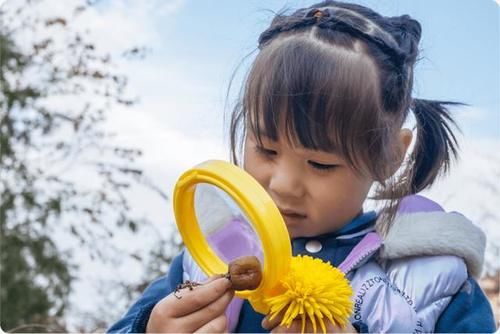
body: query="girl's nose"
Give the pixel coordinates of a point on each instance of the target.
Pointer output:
(286, 183)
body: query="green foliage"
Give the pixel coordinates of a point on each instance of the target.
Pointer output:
(45, 148)
(27, 260)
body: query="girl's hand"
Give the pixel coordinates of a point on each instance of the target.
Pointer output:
(296, 327)
(198, 310)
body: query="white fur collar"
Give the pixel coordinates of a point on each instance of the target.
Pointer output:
(436, 233)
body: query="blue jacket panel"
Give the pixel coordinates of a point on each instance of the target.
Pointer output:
(468, 312)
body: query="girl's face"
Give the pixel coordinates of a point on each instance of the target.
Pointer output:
(316, 192)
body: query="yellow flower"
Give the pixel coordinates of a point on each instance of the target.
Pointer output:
(313, 290)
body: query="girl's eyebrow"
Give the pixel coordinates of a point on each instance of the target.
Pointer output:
(331, 151)
(320, 151)
(261, 133)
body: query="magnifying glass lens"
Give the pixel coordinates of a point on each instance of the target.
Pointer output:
(224, 224)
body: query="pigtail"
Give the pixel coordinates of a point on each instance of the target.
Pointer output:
(436, 145)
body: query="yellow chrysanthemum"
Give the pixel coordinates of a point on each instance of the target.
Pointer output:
(313, 290)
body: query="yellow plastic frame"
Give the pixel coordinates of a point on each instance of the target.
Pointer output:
(259, 208)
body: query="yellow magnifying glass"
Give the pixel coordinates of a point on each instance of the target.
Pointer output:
(223, 213)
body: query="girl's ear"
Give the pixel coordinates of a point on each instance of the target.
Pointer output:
(404, 140)
(405, 137)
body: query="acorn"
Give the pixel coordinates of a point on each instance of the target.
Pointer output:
(245, 273)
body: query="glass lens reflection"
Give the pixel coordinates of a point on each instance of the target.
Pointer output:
(225, 225)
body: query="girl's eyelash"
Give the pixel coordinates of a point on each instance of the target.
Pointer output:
(322, 167)
(316, 165)
(265, 151)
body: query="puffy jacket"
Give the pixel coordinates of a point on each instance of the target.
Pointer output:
(419, 277)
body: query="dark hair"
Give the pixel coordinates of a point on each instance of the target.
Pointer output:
(340, 77)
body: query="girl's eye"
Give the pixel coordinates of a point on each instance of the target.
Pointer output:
(323, 167)
(265, 151)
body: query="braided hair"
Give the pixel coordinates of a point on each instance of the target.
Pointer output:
(340, 76)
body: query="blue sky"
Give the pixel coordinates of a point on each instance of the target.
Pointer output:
(460, 46)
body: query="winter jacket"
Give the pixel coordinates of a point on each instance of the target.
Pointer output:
(418, 277)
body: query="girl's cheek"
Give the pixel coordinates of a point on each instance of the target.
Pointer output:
(253, 166)
(256, 167)
(249, 162)
(247, 156)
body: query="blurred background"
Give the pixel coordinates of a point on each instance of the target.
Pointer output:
(104, 103)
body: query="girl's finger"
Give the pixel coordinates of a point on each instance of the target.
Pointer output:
(296, 327)
(270, 324)
(217, 325)
(213, 278)
(189, 300)
(212, 311)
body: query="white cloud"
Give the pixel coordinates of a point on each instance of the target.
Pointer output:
(177, 97)
(113, 25)
(119, 24)
(465, 114)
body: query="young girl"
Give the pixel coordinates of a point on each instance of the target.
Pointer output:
(319, 123)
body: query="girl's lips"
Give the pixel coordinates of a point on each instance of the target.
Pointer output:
(292, 214)
(293, 220)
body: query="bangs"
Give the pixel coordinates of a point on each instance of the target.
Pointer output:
(320, 97)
